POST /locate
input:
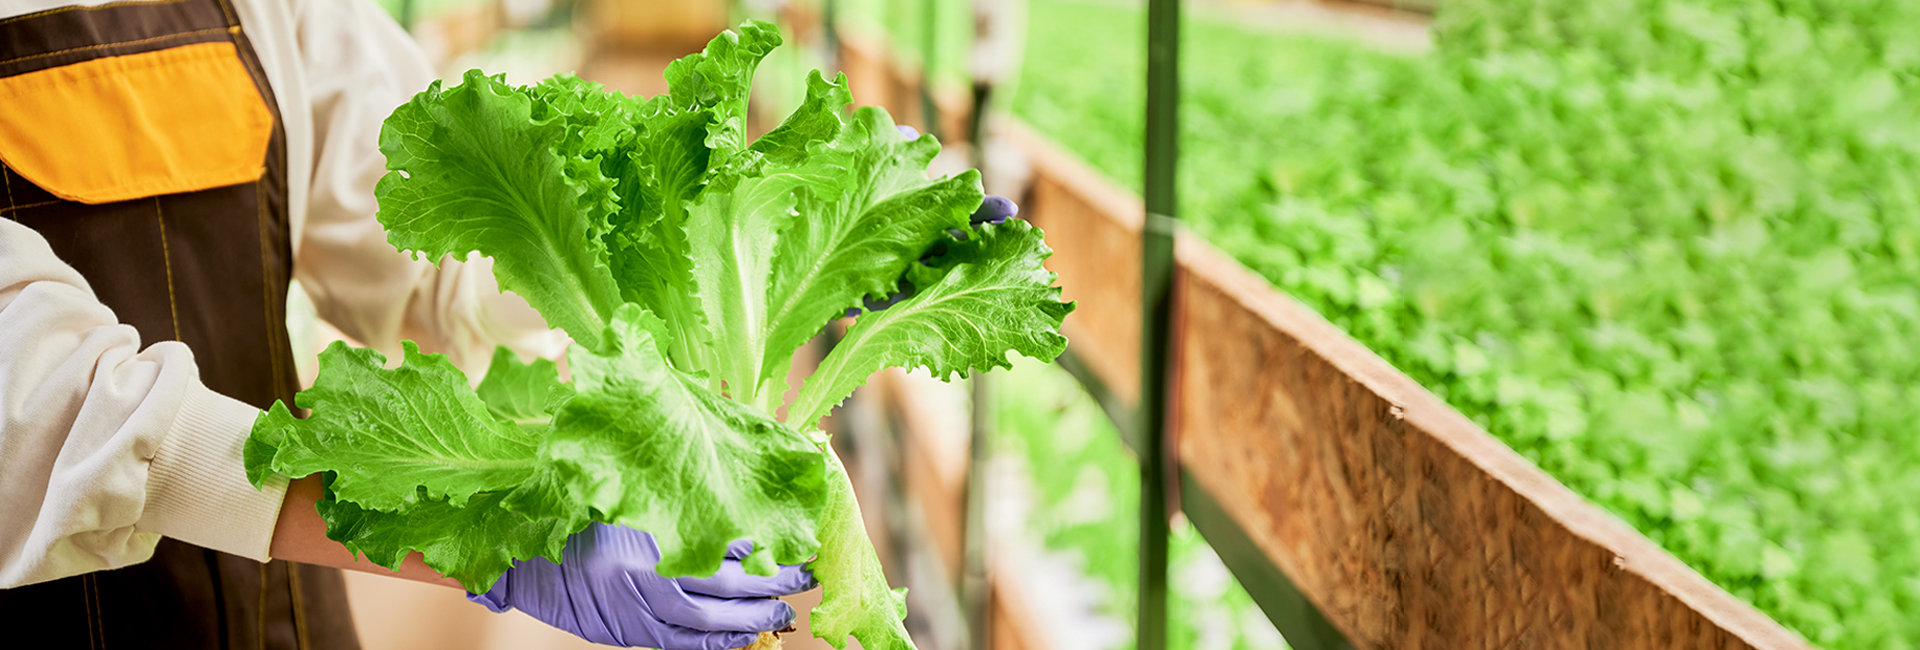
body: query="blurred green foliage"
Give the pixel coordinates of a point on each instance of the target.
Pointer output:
(1086, 503)
(1669, 250)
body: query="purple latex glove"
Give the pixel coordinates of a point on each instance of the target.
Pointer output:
(995, 209)
(605, 591)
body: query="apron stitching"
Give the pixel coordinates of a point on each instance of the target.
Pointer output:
(166, 260)
(61, 10)
(168, 37)
(268, 279)
(6, 175)
(299, 607)
(23, 207)
(95, 631)
(224, 10)
(249, 59)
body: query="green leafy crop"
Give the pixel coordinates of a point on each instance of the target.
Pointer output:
(689, 263)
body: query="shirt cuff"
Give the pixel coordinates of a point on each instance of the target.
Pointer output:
(197, 489)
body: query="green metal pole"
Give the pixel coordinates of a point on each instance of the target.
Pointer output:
(1158, 465)
(976, 589)
(929, 51)
(830, 32)
(976, 586)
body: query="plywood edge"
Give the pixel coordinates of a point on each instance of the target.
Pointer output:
(1424, 412)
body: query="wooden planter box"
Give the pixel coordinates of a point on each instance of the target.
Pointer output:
(1400, 519)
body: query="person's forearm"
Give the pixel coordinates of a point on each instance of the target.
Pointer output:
(301, 536)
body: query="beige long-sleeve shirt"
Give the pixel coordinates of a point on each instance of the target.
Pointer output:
(107, 444)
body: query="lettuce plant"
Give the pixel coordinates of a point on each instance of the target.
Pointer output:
(688, 262)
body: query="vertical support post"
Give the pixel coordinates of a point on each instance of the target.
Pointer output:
(1158, 464)
(976, 586)
(929, 52)
(830, 33)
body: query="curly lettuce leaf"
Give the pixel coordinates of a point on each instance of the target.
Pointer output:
(521, 393)
(657, 178)
(817, 121)
(596, 120)
(854, 599)
(988, 296)
(394, 437)
(646, 446)
(718, 80)
(859, 242)
(734, 225)
(473, 544)
(472, 170)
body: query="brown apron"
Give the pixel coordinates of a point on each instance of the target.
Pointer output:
(209, 268)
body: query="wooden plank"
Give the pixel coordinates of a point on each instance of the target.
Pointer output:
(1093, 227)
(652, 25)
(1407, 525)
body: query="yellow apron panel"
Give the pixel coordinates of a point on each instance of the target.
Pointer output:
(126, 127)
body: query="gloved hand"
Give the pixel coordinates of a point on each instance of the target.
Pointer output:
(605, 591)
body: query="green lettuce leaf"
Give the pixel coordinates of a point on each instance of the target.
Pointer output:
(652, 261)
(646, 446)
(473, 544)
(522, 393)
(854, 599)
(473, 171)
(690, 139)
(718, 80)
(856, 243)
(395, 437)
(817, 121)
(735, 224)
(596, 120)
(987, 296)
(732, 236)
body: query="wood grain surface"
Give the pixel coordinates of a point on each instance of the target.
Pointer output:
(1406, 524)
